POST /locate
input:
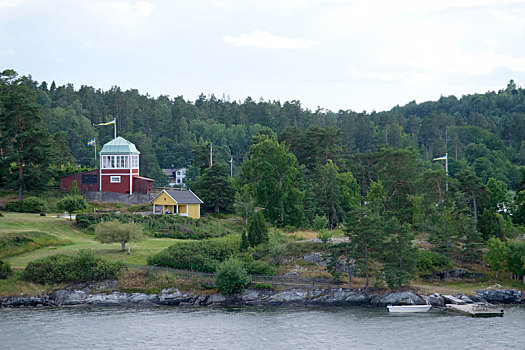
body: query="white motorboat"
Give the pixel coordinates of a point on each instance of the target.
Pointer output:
(408, 308)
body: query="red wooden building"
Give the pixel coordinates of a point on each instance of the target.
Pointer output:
(118, 171)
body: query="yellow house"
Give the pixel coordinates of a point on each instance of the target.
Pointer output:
(181, 202)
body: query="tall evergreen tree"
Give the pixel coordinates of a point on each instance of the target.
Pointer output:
(215, 189)
(25, 145)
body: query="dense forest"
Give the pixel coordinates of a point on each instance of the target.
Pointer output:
(372, 170)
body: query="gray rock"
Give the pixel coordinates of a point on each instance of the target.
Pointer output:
(505, 296)
(398, 298)
(466, 299)
(435, 300)
(113, 299)
(142, 298)
(315, 258)
(294, 296)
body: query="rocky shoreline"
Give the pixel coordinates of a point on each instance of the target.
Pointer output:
(92, 296)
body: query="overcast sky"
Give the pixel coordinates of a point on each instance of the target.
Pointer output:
(336, 54)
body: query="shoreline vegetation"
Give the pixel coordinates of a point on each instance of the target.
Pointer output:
(141, 285)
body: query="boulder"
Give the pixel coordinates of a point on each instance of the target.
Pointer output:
(289, 297)
(435, 300)
(504, 296)
(398, 298)
(113, 299)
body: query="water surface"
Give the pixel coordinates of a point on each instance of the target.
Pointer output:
(255, 328)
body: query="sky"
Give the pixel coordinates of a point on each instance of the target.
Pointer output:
(333, 54)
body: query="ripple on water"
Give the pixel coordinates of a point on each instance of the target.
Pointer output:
(254, 328)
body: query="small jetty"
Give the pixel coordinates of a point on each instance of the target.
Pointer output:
(472, 309)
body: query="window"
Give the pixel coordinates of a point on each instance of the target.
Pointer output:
(115, 179)
(134, 161)
(178, 172)
(178, 181)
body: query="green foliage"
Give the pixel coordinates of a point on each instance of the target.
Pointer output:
(16, 243)
(429, 262)
(264, 286)
(5, 270)
(82, 267)
(116, 232)
(204, 255)
(495, 255)
(71, 204)
(324, 235)
(163, 226)
(73, 190)
(215, 189)
(515, 258)
(244, 204)
(28, 205)
(320, 223)
(395, 278)
(272, 172)
(231, 277)
(257, 230)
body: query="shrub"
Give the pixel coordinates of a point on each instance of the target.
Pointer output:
(204, 255)
(28, 205)
(257, 230)
(60, 268)
(231, 277)
(430, 262)
(324, 235)
(320, 223)
(264, 286)
(5, 270)
(71, 204)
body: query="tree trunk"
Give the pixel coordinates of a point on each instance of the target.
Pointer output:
(475, 209)
(366, 263)
(350, 269)
(20, 178)
(123, 246)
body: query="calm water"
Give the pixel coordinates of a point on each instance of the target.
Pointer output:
(255, 328)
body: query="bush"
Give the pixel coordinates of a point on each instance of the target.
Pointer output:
(163, 226)
(320, 223)
(5, 270)
(28, 205)
(257, 230)
(430, 262)
(231, 277)
(264, 286)
(204, 255)
(60, 268)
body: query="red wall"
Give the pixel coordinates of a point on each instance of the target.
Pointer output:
(67, 181)
(122, 187)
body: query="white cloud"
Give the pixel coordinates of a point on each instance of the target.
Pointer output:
(8, 52)
(265, 40)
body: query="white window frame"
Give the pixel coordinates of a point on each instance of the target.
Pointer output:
(114, 179)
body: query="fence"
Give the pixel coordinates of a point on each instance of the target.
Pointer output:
(209, 278)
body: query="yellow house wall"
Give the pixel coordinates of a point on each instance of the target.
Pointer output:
(194, 211)
(164, 199)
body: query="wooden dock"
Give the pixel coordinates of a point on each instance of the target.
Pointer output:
(476, 310)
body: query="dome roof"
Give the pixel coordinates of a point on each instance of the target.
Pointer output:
(119, 146)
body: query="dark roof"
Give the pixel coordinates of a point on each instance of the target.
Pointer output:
(184, 197)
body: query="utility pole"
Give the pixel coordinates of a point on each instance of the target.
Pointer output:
(231, 167)
(445, 158)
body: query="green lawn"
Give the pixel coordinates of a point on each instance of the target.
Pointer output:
(63, 228)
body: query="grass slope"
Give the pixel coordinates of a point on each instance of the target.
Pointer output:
(65, 230)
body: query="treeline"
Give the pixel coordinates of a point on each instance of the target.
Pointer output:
(486, 131)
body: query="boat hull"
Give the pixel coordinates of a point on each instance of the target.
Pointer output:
(408, 308)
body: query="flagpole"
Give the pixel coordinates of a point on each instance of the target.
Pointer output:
(95, 148)
(115, 129)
